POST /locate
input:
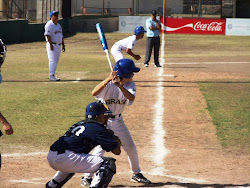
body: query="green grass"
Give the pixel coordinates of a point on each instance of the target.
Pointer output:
(229, 106)
(40, 111)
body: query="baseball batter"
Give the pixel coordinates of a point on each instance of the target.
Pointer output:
(117, 91)
(69, 154)
(127, 45)
(54, 37)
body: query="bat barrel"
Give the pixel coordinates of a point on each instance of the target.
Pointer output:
(102, 36)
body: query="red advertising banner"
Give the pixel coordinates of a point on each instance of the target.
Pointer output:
(194, 26)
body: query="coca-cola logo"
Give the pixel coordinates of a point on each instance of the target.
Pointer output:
(213, 26)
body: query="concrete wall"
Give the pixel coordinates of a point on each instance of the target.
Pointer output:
(88, 25)
(175, 5)
(145, 6)
(44, 15)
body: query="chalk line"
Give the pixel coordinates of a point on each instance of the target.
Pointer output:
(197, 63)
(23, 154)
(160, 151)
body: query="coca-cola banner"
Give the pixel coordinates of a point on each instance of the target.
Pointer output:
(194, 26)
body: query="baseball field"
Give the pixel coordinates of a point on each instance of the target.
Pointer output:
(191, 130)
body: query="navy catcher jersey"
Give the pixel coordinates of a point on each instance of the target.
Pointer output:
(83, 136)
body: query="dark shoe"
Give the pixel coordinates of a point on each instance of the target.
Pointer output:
(47, 185)
(140, 178)
(158, 65)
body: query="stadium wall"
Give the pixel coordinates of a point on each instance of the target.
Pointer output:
(20, 31)
(88, 25)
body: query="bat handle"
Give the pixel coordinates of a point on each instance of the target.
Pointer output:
(110, 64)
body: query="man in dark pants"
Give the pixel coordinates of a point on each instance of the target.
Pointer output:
(153, 28)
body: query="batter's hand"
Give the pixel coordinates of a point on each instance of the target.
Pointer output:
(112, 75)
(137, 57)
(51, 47)
(8, 129)
(116, 81)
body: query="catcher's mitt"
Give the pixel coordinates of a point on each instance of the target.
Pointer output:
(116, 138)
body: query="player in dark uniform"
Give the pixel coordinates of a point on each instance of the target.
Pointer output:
(69, 154)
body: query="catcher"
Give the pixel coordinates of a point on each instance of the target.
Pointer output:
(69, 154)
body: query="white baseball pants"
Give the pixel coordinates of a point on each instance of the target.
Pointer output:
(116, 53)
(53, 57)
(121, 130)
(70, 162)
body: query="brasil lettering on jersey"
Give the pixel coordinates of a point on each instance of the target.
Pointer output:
(114, 101)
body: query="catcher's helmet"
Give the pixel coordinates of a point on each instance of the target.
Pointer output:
(2, 52)
(125, 68)
(97, 108)
(139, 30)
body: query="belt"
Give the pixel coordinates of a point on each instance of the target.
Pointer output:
(115, 116)
(56, 43)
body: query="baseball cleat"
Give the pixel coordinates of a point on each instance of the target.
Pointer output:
(158, 65)
(86, 181)
(53, 78)
(47, 185)
(139, 178)
(145, 65)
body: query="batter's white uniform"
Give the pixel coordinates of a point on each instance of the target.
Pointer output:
(116, 101)
(122, 45)
(55, 32)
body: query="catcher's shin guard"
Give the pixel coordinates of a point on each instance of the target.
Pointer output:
(59, 185)
(105, 173)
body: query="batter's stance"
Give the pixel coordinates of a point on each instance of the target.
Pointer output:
(54, 37)
(127, 45)
(117, 91)
(69, 154)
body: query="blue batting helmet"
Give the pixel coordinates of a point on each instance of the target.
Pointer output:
(97, 108)
(125, 68)
(139, 30)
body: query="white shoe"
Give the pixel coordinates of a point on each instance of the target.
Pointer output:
(86, 181)
(145, 65)
(53, 78)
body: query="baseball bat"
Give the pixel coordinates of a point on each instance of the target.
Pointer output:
(103, 42)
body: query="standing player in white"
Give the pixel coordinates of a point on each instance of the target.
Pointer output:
(54, 37)
(127, 45)
(117, 91)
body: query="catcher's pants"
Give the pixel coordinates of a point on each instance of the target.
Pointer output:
(70, 162)
(53, 57)
(121, 130)
(116, 53)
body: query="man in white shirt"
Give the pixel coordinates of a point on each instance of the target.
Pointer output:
(54, 37)
(127, 45)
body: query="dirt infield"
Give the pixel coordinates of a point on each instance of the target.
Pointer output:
(195, 158)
